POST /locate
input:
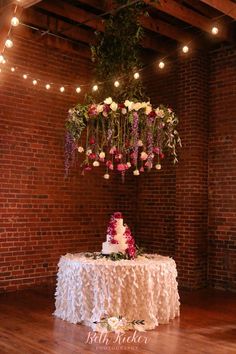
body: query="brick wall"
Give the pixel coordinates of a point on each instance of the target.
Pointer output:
(44, 215)
(222, 169)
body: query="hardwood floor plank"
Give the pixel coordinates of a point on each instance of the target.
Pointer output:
(206, 326)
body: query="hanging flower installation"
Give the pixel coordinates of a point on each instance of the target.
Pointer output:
(125, 131)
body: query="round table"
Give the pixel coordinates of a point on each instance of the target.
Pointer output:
(141, 289)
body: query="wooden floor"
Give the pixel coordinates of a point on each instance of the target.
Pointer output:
(207, 325)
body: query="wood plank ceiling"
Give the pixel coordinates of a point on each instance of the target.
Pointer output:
(70, 24)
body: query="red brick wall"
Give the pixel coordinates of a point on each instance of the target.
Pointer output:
(222, 169)
(44, 215)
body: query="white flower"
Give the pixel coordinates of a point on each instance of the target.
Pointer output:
(143, 104)
(158, 166)
(106, 176)
(136, 172)
(96, 164)
(113, 322)
(124, 111)
(88, 152)
(127, 103)
(143, 155)
(137, 106)
(102, 155)
(128, 164)
(114, 106)
(140, 143)
(80, 149)
(108, 100)
(99, 108)
(131, 106)
(148, 109)
(159, 112)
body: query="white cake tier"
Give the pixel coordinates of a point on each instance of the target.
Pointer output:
(108, 248)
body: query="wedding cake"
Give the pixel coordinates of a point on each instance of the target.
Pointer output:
(119, 237)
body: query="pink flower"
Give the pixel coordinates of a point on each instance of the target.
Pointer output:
(112, 150)
(118, 215)
(143, 155)
(148, 164)
(156, 150)
(121, 167)
(118, 156)
(92, 111)
(141, 169)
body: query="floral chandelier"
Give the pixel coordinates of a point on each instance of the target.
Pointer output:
(123, 132)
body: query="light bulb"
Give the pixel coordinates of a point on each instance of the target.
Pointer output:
(2, 59)
(78, 89)
(161, 65)
(13, 69)
(9, 43)
(215, 30)
(116, 84)
(62, 89)
(48, 86)
(35, 82)
(136, 76)
(185, 49)
(95, 87)
(25, 76)
(15, 21)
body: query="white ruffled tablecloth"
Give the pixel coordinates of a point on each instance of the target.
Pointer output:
(141, 289)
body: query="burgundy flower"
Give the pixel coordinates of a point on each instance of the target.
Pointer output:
(92, 156)
(92, 141)
(118, 215)
(162, 155)
(121, 105)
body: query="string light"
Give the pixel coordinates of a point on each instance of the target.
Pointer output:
(9, 43)
(15, 21)
(13, 69)
(25, 76)
(48, 86)
(214, 30)
(185, 49)
(78, 89)
(116, 84)
(2, 59)
(161, 65)
(136, 76)
(95, 87)
(35, 82)
(62, 89)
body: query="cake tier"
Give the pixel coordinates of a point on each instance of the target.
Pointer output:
(108, 248)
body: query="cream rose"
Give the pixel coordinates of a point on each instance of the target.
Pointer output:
(114, 106)
(108, 100)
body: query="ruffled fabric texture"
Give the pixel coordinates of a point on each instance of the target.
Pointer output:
(141, 289)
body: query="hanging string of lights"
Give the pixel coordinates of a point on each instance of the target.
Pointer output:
(48, 84)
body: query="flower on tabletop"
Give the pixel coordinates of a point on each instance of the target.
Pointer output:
(108, 100)
(158, 166)
(80, 149)
(143, 155)
(106, 176)
(148, 164)
(118, 215)
(136, 172)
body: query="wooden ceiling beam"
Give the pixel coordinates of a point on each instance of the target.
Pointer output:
(226, 6)
(54, 42)
(149, 23)
(81, 16)
(45, 22)
(26, 3)
(187, 15)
